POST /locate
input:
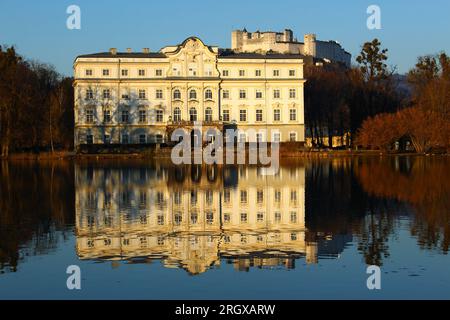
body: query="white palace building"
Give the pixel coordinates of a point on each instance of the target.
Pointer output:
(141, 97)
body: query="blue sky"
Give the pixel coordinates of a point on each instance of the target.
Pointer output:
(38, 28)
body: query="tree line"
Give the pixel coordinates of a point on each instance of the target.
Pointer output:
(36, 106)
(370, 106)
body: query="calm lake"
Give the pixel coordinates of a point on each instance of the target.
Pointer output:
(149, 230)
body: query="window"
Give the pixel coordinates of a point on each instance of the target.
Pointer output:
(141, 72)
(89, 94)
(208, 94)
(242, 115)
(293, 196)
(276, 115)
(125, 138)
(227, 218)
(293, 217)
(277, 196)
(276, 94)
(276, 137)
(124, 73)
(259, 94)
(192, 71)
(292, 93)
(225, 73)
(142, 116)
(293, 114)
(177, 114)
(276, 73)
(90, 116)
(106, 94)
(178, 219)
(242, 94)
(106, 140)
(105, 72)
(126, 96)
(226, 115)
(260, 196)
(244, 218)
(277, 217)
(88, 72)
(208, 115)
(193, 95)
(159, 94)
(291, 73)
(142, 139)
(260, 218)
(107, 116)
(209, 218)
(193, 114)
(241, 73)
(258, 73)
(142, 94)
(227, 196)
(194, 218)
(226, 94)
(125, 116)
(159, 138)
(159, 115)
(243, 196)
(259, 115)
(293, 137)
(158, 72)
(208, 72)
(177, 95)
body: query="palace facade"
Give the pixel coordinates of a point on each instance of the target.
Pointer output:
(141, 97)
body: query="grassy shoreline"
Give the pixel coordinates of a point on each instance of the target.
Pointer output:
(166, 153)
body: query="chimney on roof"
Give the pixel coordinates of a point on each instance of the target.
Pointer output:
(128, 50)
(113, 51)
(146, 50)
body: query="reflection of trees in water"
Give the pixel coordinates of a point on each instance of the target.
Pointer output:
(422, 182)
(36, 200)
(365, 196)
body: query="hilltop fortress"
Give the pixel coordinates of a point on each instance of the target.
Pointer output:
(285, 43)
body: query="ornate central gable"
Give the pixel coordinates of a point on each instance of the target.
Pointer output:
(191, 59)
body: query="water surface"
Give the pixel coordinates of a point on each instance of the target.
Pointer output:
(149, 230)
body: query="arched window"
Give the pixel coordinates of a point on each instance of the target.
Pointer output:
(208, 115)
(177, 95)
(193, 114)
(192, 95)
(208, 94)
(177, 115)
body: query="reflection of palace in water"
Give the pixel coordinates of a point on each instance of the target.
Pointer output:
(192, 217)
